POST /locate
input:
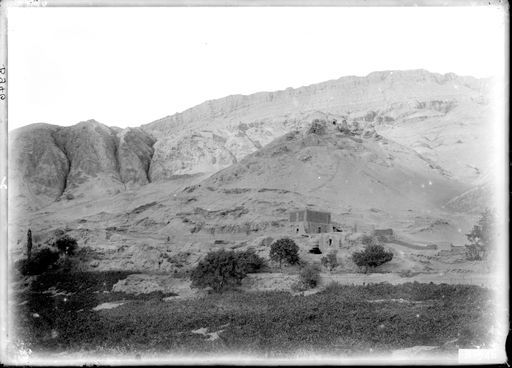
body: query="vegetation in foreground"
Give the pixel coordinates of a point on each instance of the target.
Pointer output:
(347, 318)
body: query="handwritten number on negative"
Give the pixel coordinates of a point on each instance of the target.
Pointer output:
(2, 80)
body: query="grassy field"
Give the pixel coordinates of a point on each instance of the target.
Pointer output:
(349, 319)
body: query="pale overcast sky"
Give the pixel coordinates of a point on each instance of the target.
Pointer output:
(130, 66)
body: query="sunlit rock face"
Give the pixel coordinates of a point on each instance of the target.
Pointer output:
(403, 150)
(38, 168)
(89, 159)
(216, 133)
(444, 118)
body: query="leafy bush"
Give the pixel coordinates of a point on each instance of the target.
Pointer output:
(481, 237)
(66, 245)
(372, 256)
(284, 250)
(330, 261)
(219, 270)
(40, 262)
(309, 276)
(249, 261)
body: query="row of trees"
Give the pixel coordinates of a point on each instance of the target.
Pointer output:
(223, 269)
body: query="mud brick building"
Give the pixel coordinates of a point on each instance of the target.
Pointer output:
(307, 221)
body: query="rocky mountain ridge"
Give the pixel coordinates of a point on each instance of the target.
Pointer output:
(89, 159)
(50, 163)
(242, 124)
(361, 177)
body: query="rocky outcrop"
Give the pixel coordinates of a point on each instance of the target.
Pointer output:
(345, 95)
(89, 159)
(134, 154)
(196, 153)
(91, 149)
(246, 123)
(38, 168)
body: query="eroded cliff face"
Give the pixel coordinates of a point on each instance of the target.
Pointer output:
(89, 159)
(391, 100)
(91, 148)
(38, 168)
(134, 154)
(442, 117)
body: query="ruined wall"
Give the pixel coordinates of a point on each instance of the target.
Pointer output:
(297, 216)
(318, 217)
(314, 227)
(310, 216)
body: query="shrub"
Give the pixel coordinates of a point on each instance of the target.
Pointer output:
(219, 270)
(39, 263)
(284, 250)
(309, 276)
(330, 261)
(372, 256)
(249, 261)
(66, 245)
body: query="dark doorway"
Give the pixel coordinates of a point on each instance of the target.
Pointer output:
(319, 229)
(315, 250)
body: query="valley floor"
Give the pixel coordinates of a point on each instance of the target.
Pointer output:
(60, 315)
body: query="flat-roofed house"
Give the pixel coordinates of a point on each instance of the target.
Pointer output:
(307, 221)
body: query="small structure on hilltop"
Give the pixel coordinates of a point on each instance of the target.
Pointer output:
(307, 221)
(384, 234)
